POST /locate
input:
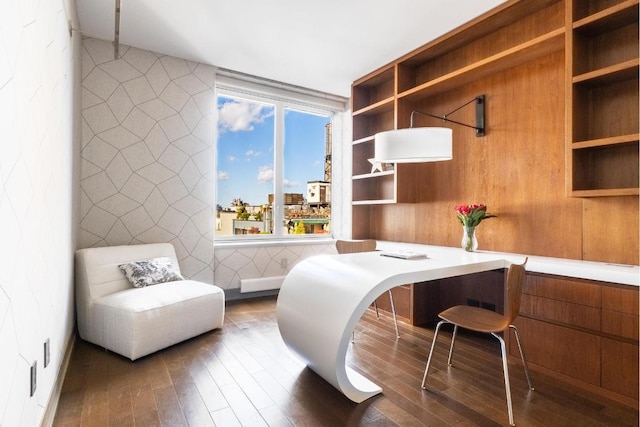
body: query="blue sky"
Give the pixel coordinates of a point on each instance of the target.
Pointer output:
(246, 146)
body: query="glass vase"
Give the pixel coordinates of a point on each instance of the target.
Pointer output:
(469, 242)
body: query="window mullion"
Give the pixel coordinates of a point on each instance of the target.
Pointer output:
(278, 166)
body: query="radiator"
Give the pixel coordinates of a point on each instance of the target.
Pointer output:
(261, 284)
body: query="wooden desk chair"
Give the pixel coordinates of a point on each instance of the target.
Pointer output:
(486, 321)
(369, 245)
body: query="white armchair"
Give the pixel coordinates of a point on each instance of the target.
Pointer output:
(134, 321)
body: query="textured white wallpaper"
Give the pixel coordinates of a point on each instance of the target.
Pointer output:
(147, 165)
(38, 60)
(147, 153)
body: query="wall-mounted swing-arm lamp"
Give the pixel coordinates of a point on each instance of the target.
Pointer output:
(424, 144)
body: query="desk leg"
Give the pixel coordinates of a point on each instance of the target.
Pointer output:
(318, 308)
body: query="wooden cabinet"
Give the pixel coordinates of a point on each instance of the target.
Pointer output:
(583, 330)
(602, 98)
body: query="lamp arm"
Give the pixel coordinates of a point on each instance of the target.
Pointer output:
(479, 100)
(444, 118)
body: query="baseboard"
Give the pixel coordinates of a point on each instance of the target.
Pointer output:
(235, 294)
(52, 404)
(260, 284)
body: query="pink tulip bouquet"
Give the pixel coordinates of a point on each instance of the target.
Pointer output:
(472, 215)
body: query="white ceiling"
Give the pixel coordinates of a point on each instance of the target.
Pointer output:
(321, 45)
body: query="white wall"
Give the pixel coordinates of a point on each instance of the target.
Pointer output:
(37, 234)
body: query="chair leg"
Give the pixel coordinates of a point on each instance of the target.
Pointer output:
(505, 368)
(433, 345)
(393, 311)
(524, 359)
(375, 306)
(453, 340)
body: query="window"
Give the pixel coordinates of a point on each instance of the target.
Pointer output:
(273, 161)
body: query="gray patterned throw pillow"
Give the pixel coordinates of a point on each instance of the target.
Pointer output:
(150, 272)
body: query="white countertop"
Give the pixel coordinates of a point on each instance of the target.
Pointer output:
(601, 271)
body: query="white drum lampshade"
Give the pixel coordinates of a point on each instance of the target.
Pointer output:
(414, 145)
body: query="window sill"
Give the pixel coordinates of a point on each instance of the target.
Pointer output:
(228, 244)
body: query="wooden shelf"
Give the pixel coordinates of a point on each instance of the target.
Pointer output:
(613, 17)
(606, 169)
(382, 106)
(609, 192)
(373, 89)
(611, 74)
(377, 118)
(372, 175)
(525, 52)
(364, 140)
(601, 142)
(373, 202)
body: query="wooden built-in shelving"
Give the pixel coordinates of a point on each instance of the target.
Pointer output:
(528, 51)
(602, 99)
(382, 101)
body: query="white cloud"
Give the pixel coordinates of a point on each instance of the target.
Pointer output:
(223, 176)
(231, 158)
(265, 174)
(288, 183)
(241, 115)
(252, 153)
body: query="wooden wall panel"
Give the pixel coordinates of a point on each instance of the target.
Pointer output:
(610, 229)
(517, 169)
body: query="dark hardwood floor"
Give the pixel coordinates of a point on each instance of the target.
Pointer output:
(244, 375)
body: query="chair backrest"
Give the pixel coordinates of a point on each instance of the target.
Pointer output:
(352, 246)
(515, 277)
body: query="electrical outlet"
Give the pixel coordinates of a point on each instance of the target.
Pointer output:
(473, 302)
(488, 306)
(34, 369)
(47, 353)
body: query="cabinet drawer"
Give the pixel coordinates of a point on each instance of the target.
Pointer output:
(568, 351)
(624, 300)
(563, 289)
(620, 324)
(620, 367)
(582, 316)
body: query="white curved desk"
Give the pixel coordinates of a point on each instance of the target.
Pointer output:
(324, 296)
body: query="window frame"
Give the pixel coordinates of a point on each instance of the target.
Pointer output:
(281, 100)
